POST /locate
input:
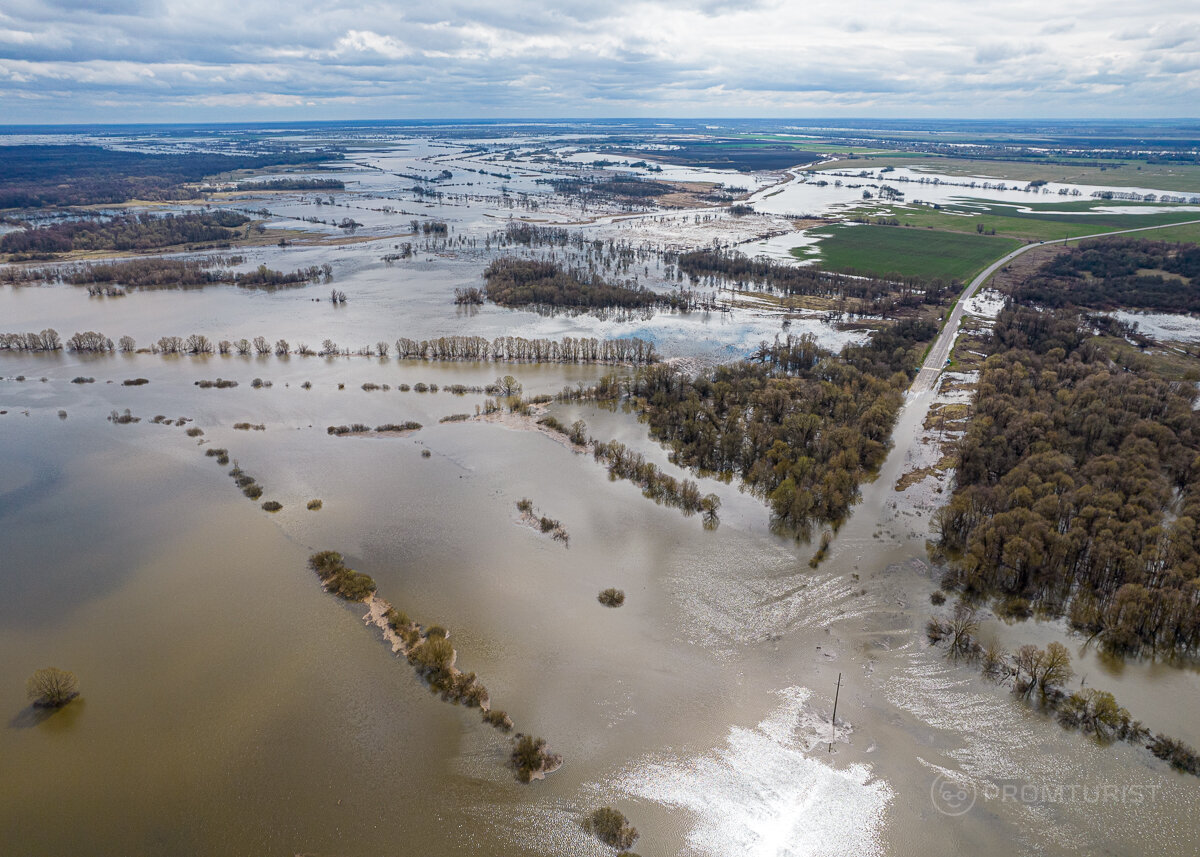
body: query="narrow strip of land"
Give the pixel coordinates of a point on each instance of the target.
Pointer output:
(939, 352)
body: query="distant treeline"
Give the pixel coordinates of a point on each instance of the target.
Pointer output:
(877, 295)
(798, 424)
(38, 176)
(517, 282)
(1116, 273)
(1078, 488)
(294, 184)
(126, 232)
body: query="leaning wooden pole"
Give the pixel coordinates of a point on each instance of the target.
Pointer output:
(833, 721)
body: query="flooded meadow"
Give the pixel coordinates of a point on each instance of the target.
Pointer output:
(229, 706)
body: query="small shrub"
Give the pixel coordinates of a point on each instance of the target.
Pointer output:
(498, 720)
(194, 431)
(272, 506)
(530, 757)
(370, 387)
(249, 427)
(525, 505)
(82, 380)
(937, 598)
(455, 418)
(611, 827)
(611, 597)
(52, 687)
(135, 382)
(425, 453)
(253, 491)
(314, 505)
(215, 452)
(403, 388)
(307, 385)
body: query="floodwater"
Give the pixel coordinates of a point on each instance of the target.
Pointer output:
(231, 707)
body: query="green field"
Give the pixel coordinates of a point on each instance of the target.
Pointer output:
(909, 252)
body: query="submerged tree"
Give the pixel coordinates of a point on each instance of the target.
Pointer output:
(52, 687)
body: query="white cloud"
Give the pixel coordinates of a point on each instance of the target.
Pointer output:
(578, 57)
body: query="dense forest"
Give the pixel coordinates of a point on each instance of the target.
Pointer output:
(620, 188)
(516, 282)
(1076, 488)
(872, 295)
(37, 176)
(1119, 273)
(799, 425)
(126, 232)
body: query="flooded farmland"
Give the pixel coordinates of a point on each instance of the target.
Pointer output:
(230, 706)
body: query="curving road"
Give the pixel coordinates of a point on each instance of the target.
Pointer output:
(940, 351)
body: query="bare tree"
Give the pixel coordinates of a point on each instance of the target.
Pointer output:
(52, 687)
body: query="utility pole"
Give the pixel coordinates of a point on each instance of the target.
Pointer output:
(833, 722)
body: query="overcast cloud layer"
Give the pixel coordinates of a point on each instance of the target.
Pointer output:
(179, 60)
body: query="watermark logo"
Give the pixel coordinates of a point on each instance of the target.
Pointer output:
(951, 797)
(954, 797)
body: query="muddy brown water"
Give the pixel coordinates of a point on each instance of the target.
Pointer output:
(231, 707)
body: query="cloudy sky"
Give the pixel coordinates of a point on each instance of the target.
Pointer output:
(238, 60)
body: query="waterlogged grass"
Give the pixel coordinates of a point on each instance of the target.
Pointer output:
(882, 250)
(1172, 177)
(1039, 221)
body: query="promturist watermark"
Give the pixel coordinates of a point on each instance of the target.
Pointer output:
(955, 796)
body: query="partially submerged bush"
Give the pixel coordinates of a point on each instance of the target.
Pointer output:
(455, 418)
(611, 597)
(531, 759)
(498, 720)
(195, 431)
(80, 379)
(408, 425)
(314, 505)
(525, 506)
(272, 506)
(611, 827)
(249, 427)
(52, 687)
(135, 382)
(346, 582)
(1180, 756)
(425, 453)
(253, 491)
